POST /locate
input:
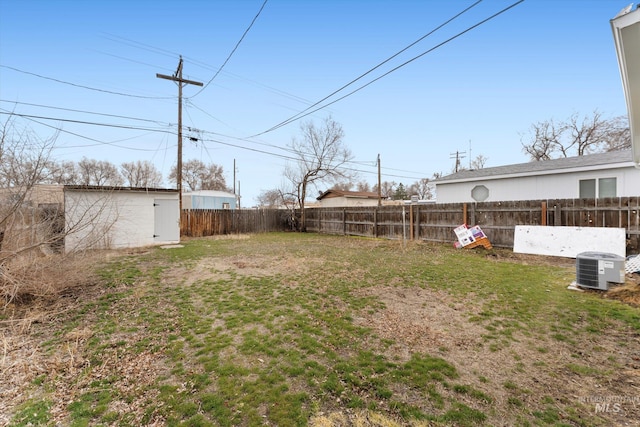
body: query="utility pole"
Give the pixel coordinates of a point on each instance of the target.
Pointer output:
(379, 184)
(177, 77)
(239, 195)
(457, 155)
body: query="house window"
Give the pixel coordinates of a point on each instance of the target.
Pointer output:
(607, 187)
(226, 205)
(602, 187)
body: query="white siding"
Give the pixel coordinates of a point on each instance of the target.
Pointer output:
(539, 187)
(111, 219)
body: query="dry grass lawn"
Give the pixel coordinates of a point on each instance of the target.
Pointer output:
(290, 329)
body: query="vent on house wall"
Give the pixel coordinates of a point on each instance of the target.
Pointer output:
(596, 270)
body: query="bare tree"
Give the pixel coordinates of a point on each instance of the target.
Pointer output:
(214, 178)
(363, 186)
(141, 174)
(321, 157)
(33, 229)
(577, 136)
(98, 172)
(64, 172)
(270, 199)
(422, 188)
(343, 186)
(618, 134)
(478, 162)
(387, 189)
(24, 226)
(199, 176)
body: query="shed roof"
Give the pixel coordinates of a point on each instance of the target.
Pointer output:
(209, 193)
(112, 188)
(348, 194)
(611, 159)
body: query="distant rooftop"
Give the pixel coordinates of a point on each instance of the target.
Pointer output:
(622, 158)
(353, 194)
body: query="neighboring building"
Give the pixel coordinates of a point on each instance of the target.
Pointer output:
(38, 195)
(592, 176)
(77, 218)
(119, 217)
(208, 199)
(338, 198)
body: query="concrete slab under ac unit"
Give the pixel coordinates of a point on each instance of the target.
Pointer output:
(568, 241)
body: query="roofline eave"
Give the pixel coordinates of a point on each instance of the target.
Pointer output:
(620, 165)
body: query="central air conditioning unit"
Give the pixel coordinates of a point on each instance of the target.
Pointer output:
(597, 269)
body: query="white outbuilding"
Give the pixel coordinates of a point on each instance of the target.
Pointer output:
(120, 217)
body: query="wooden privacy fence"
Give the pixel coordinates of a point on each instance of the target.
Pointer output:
(430, 222)
(435, 222)
(210, 222)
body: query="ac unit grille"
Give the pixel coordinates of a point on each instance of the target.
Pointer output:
(587, 272)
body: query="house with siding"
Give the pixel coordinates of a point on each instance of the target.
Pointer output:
(209, 199)
(600, 175)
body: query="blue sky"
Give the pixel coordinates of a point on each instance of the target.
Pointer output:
(479, 93)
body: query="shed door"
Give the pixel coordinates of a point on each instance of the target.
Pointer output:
(167, 220)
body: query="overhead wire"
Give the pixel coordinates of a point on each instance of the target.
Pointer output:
(204, 65)
(282, 123)
(83, 86)
(286, 122)
(84, 122)
(60, 129)
(84, 111)
(148, 130)
(294, 117)
(291, 157)
(255, 18)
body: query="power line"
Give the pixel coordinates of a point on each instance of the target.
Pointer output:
(281, 156)
(286, 122)
(59, 129)
(84, 112)
(84, 87)
(291, 151)
(234, 49)
(83, 122)
(294, 117)
(35, 118)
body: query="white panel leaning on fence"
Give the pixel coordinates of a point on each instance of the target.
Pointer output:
(568, 241)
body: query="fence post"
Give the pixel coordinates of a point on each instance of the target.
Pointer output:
(344, 221)
(464, 213)
(417, 225)
(411, 222)
(543, 213)
(557, 215)
(375, 222)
